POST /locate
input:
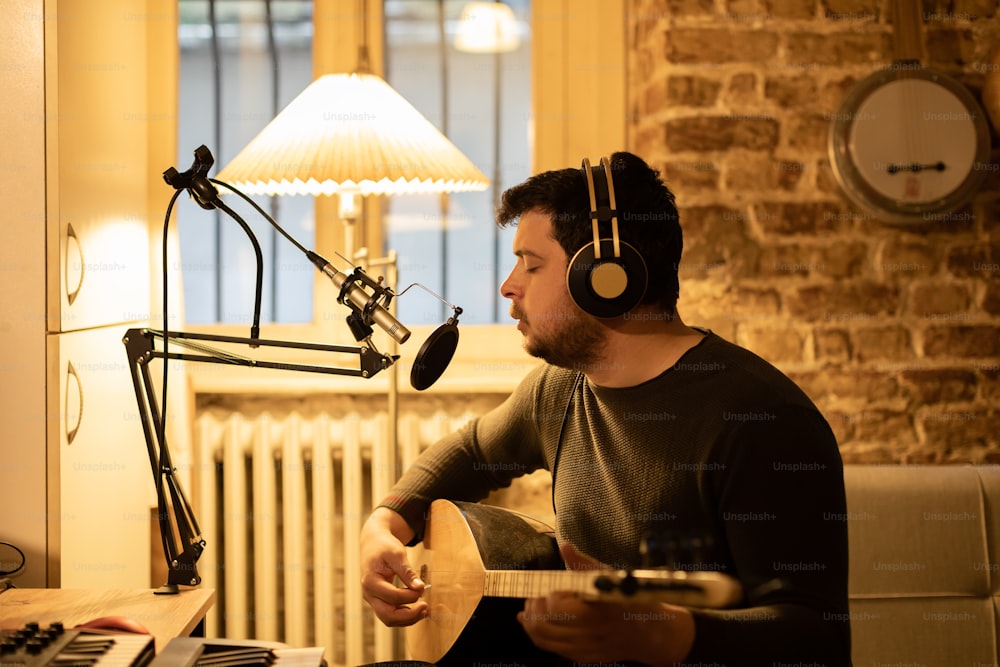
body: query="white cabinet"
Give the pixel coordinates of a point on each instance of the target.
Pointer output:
(82, 132)
(105, 480)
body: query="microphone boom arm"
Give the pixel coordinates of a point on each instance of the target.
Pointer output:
(179, 531)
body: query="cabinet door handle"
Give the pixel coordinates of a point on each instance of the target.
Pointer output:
(71, 432)
(71, 294)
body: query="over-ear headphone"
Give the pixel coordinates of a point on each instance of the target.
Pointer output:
(607, 277)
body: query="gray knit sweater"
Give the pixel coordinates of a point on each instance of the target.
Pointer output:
(721, 454)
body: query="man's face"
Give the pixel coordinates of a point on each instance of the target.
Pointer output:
(554, 328)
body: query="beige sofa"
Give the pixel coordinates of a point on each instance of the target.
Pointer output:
(925, 564)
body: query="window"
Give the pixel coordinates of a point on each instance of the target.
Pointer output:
(241, 61)
(482, 102)
(244, 60)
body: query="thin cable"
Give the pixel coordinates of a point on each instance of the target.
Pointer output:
(274, 202)
(267, 217)
(161, 427)
(255, 327)
(217, 132)
(364, 64)
(443, 53)
(24, 560)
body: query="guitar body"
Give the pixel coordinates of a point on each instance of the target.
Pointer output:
(463, 540)
(481, 562)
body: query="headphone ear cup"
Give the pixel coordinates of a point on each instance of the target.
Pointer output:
(610, 286)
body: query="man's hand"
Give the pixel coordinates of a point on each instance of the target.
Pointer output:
(591, 632)
(383, 557)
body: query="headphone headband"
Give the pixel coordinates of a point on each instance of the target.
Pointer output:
(605, 286)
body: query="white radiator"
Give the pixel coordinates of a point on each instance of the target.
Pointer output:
(280, 498)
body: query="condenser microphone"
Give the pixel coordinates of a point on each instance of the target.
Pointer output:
(360, 301)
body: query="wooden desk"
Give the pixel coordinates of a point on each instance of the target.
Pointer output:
(165, 616)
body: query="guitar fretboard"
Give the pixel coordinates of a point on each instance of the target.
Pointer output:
(537, 583)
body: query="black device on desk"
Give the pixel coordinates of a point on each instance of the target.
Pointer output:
(35, 646)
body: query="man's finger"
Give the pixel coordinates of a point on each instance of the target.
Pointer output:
(398, 615)
(576, 560)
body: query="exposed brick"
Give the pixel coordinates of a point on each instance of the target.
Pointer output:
(762, 172)
(716, 238)
(906, 259)
(842, 260)
(851, 10)
(791, 92)
(839, 49)
(887, 426)
(806, 131)
(869, 453)
(739, 7)
(826, 182)
(862, 301)
(963, 341)
(742, 89)
(979, 9)
(655, 96)
(931, 298)
(735, 307)
(810, 218)
(649, 137)
(834, 92)
(944, 385)
(791, 9)
(947, 47)
(989, 210)
(782, 261)
(861, 386)
(720, 223)
(753, 303)
(842, 424)
(957, 428)
(745, 13)
(694, 91)
(991, 297)
(831, 346)
(890, 343)
(716, 133)
(777, 343)
(980, 260)
(989, 374)
(689, 7)
(953, 222)
(711, 45)
(687, 176)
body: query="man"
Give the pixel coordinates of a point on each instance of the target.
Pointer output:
(650, 428)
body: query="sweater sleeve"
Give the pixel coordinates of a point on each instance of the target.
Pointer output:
(486, 454)
(782, 503)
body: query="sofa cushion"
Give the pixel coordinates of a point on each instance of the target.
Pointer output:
(923, 557)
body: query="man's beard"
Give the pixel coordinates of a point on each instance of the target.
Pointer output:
(573, 342)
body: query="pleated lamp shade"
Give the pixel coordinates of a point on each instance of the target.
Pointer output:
(351, 133)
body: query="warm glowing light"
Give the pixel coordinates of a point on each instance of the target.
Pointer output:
(487, 27)
(354, 133)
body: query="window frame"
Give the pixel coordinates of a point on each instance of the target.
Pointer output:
(569, 123)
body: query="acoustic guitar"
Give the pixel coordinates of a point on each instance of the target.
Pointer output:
(481, 562)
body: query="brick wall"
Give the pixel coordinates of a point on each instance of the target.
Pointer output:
(893, 331)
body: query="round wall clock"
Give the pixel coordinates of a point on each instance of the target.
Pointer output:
(909, 144)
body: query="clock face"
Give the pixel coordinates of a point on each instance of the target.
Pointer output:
(908, 144)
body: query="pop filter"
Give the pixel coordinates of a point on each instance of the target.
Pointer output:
(434, 355)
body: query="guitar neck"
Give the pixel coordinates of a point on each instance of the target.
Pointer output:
(537, 583)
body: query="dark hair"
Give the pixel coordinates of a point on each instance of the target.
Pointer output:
(647, 217)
